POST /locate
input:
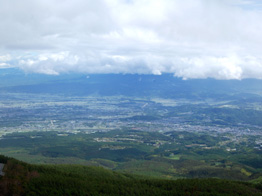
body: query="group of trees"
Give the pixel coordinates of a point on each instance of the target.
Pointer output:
(26, 179)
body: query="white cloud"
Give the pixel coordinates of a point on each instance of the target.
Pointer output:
(3, 61)
(191, 38)
(5, 58)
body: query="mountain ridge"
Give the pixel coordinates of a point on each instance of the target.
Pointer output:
(165, 85)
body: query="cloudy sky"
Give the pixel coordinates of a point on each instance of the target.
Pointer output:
(189, 38)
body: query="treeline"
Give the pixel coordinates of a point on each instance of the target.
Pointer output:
(26, 179)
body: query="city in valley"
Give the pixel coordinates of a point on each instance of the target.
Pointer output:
(176, 136)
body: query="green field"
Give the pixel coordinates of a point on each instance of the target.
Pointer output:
(148, 153)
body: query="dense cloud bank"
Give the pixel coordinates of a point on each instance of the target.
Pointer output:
(190, 38)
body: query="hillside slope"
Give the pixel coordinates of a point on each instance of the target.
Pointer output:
(25, 179)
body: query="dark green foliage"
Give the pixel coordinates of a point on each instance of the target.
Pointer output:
(3, 159)
(25, 179)
(255, 162)
(167, 155)
(80, 180)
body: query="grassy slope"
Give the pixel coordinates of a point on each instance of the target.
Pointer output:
(26, 179)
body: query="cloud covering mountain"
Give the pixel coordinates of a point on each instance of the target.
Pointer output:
(191, 38)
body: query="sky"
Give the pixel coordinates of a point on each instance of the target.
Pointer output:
(219, 39)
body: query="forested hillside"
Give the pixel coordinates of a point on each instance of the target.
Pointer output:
(26, 179)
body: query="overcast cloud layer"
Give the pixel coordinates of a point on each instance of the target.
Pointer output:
(190, 38)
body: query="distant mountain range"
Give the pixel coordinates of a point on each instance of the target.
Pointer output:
(165, 86)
